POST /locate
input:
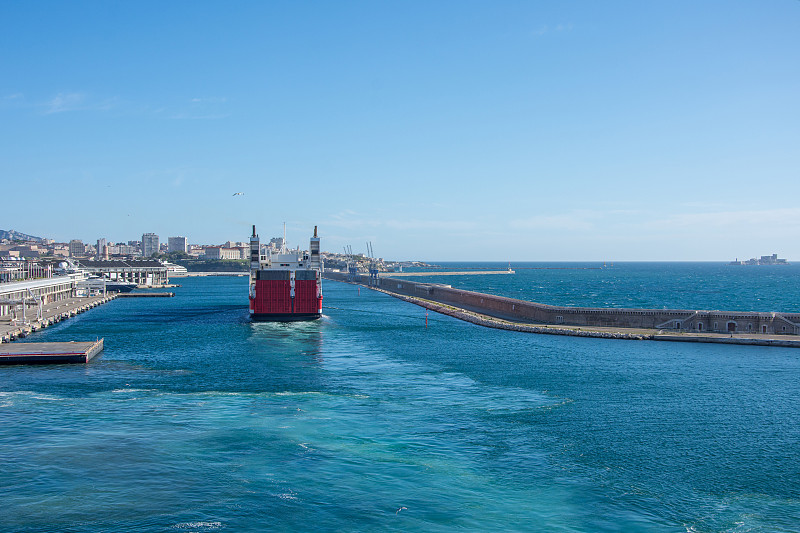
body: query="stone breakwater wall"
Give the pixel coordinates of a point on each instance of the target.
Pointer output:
(502, 324)
(678, 320)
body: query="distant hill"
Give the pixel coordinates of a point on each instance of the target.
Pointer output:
(17, 236)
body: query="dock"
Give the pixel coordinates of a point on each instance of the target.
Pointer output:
(206, 274)
(51, 314)
(601, 332)
(145, 295)
(675, 325)
(37, 353)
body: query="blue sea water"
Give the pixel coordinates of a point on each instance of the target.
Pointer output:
(195, 419)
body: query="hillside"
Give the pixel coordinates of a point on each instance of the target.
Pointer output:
(13, 235)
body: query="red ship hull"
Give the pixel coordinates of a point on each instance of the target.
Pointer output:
(273, 299)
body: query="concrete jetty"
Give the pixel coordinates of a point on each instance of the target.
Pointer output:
(786, 341)
(724, 327)
(452, 273)
(145, 295)
(207, 274)
(35, 353)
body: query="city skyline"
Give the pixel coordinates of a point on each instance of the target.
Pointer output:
(449, 131)
(181, 243)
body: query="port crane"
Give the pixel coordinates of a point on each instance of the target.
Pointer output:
(373, 268)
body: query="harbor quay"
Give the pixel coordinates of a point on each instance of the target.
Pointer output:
(730, 327)
(206, 274)
(445, 273)
(30, 301)
(145, 295)
(12, 329)
(33, 297)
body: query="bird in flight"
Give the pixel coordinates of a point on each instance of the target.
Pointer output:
(238, 193)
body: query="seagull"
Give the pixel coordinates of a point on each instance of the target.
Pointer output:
(238, 193)
(406, 508)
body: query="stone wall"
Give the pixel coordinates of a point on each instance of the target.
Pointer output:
(536, 313)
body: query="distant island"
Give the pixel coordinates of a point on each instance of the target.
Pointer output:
(764, 260)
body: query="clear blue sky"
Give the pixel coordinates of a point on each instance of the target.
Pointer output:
(460, 130)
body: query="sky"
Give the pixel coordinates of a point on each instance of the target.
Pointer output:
(438, 131)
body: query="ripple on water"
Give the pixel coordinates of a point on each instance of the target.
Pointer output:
(198, 526)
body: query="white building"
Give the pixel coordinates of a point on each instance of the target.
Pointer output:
(19, 295)
(219, 252)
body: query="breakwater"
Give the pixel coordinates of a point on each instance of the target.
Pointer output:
(444, 273)
(666, 324)
(145, 295)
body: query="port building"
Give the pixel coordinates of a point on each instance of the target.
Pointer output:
(141, 272)
(25, 287)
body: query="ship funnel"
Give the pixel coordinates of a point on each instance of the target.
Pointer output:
(255, 250)
(314, 249)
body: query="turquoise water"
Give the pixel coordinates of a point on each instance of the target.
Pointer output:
(194, 419)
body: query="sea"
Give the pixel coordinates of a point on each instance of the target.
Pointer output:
(382, 416)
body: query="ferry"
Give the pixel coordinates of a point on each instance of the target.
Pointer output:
(285, 285)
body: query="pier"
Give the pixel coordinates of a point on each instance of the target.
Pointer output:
(453, 273)
(37, 353)
(238, 274)
(145, 295)
(723, 327)
(51, 314)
